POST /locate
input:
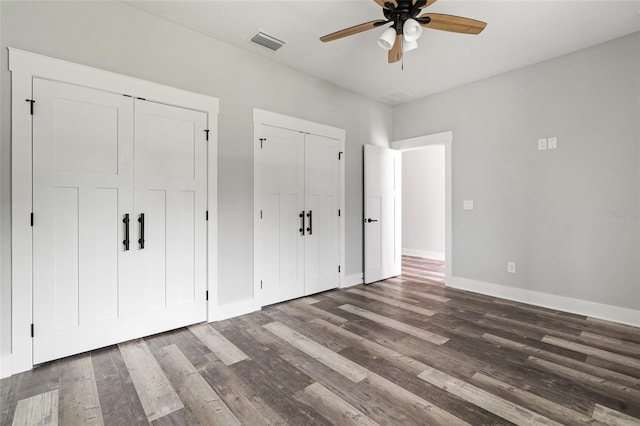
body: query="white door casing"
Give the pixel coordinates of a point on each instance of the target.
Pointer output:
(26, 68)
(170, 191)
(82, 188)
(297, 160)
(382, 213)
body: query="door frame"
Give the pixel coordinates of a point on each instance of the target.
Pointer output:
(24, 66)
(445, 139)
(264, 117)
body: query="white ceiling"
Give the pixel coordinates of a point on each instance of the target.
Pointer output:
(518, 33)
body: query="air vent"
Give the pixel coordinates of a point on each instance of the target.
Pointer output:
(268, 41)
(397, 97)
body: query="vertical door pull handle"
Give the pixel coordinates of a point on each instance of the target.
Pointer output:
(126, 232)
(301, 216)
(141, 239)
(310, 228)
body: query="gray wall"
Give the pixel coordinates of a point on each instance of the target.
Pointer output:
(570, 217)
(116, 37)
(423, 209)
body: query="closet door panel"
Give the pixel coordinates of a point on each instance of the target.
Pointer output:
(322, 193)
(170, 190)
(82, 188)
(280, 243)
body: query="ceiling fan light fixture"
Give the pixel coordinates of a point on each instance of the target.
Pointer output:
(409, 45)
(411, 30)
(387, 39)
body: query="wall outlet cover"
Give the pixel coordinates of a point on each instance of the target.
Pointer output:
(552, 143)
(542, 144)
(511, 267)
(467, 204)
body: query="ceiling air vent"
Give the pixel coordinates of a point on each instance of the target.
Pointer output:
(266, 40)
(397, 97)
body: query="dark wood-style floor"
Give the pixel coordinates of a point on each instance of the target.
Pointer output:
(403, 351)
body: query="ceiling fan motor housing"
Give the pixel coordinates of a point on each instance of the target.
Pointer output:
(405, 10)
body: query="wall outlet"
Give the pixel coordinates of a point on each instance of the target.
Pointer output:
(511, 267)
(542, 144)
(467, 204)
(552, 143)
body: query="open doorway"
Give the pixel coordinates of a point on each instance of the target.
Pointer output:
(426, 208)
(423, 213)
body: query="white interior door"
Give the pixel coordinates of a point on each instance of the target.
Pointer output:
(279, 265)
(382, 213)
(170, 216)
(82, 189)
(322, 200)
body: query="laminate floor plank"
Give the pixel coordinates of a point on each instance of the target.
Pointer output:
(201, 400)
(118, 397)
(41, 409)
(404, 351)
(218, 344)
(156, 394)
(79, 402)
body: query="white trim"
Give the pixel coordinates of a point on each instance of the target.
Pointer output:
(353, 279)
(236, 309)
(436, 255)
(274, 119)
(446, 139)
(5, 366)
(552, 301)
(25, 66)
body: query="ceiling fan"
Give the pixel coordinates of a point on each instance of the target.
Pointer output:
(406, 25)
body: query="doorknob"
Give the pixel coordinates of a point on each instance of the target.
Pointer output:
(370, 220)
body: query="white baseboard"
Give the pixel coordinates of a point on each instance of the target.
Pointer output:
(353, 279)
(436, 255)
(5, 366)
(235, 309)
(552, 301)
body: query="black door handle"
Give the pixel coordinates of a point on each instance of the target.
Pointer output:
(141, 239)
(301, 215)
(371, 220)
(126, 232)
(310, 228)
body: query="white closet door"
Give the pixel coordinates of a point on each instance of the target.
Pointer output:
(170, 191)
(279, 235)
(322, 200)
(382, 213)
(82, 188)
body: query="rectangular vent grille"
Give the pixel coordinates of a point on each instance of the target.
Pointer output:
(270, 42)
(397, 97)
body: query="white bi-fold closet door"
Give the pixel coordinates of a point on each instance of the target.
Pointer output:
(119, 235)
(298, 230)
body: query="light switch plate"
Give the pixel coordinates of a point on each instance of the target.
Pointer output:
(552, 143)
(542, 144)
(467, 204)
(511, 267)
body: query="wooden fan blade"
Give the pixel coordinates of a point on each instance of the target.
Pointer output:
(353, 30)
(395, 54)
(426, 4)
(454, 24)
(382, 3)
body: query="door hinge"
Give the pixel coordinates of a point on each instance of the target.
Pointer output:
(340, 155)
(338, 268)
(206, 296)
(31, 219)
(206, 215)
(260, 214)
(260, 284)
(261, 142)
(31, 102)
(206, 132)
(128, 96)
(32, 332)
(142, 99)
(338, 212)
